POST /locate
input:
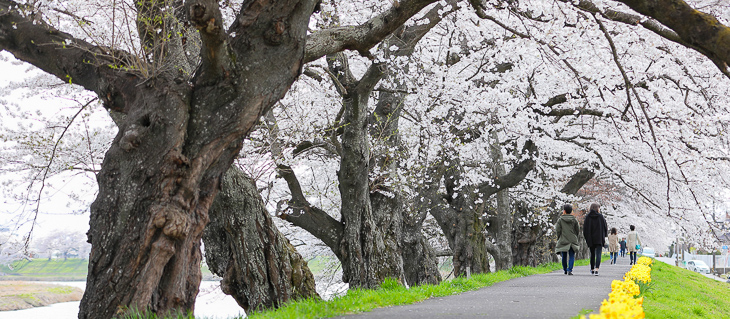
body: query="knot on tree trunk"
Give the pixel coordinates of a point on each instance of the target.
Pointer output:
(131, 138)
(204, 18)
(172, 219)
(277, 33)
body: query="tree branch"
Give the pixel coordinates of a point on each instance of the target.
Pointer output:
(362, 37)
(577, 181)
(697, 30)
(312, 219)
(70, 59)
(338, 68)
(514, 177)
(206, 16)
(372, 76)
(579, 111)
(428, 193)
(406, 38)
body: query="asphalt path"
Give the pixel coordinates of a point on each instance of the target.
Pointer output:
(551, 295)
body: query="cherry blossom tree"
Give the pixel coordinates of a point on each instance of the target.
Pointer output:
(634, 91)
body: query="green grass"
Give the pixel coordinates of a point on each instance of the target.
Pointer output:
(680, 293)
(136, 314)
(47, 270)
(391, 294)
(47, 267)
(318, 264)
(584, 312)
(55, 270)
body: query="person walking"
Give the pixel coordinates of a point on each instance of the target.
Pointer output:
(567, 230)
(634, 243)
(613, 245)
(623, 247)
(595, 231)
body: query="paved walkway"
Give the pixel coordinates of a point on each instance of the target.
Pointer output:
(552, 295)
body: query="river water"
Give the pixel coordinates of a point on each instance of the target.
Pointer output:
(211, 303)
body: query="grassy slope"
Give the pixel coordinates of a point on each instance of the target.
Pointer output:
(54, 270)
(45, 266)
(680, 293)
(44, 269)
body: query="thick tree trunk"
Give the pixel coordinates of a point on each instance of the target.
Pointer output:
(163, 169)
(259, 267)
(500, 227)
(531, 244)
(470, 245)
(419, 262)
(145, 225)
(464, 230)
(366, 261)
(388, 214)
(461, 220)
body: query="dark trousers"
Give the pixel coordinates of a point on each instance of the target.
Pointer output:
(596, 256)
(632, 255)
(568, 259)
(623, 252)
(614, 256)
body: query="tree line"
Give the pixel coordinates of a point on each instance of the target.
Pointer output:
(482, 116)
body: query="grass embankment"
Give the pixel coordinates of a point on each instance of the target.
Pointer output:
(72, 269)
(42, 269)
(680, 293)
(18, 295)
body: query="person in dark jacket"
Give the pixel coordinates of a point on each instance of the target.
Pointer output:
(623, 247)
(595, 231)
(567, 230)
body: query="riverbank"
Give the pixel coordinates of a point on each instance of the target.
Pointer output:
(16, 295)
(71, 269)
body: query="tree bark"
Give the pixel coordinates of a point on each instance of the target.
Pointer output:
(500, 225)
(400, 232)
(461, 220)
(179, 136)
(259, 267)
(420, 265)
(531, 246)
(366, 261)
(463, 227)
(163, 170)
(697, 30)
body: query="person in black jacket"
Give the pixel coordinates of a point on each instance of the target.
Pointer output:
(595, 231)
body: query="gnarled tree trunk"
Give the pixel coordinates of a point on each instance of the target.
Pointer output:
(259, 267)
(366, 261)
(531, 244)
(500, 225)
(464, 231)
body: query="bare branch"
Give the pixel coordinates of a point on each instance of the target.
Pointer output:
(362, 37)
(312, 219)
(697, 30)
(206, 16)
(513, 177)
(71, 60)
(47, 168)
(372, 76)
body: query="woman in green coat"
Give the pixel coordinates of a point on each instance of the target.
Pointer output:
(567, 230)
